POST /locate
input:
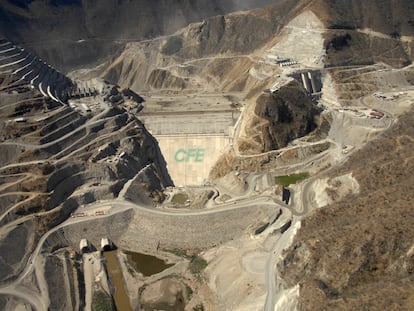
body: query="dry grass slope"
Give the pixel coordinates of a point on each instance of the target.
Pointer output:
(358, 254)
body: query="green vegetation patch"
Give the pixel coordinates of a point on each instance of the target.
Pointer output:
(290, 179)
(189, 292)
(197, 265)
(179, 198)
(102, 302)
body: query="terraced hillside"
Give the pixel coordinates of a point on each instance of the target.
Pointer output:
(25, 66)
(54, 159)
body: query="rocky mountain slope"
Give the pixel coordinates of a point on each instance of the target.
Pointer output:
(202, 56)
(383, 16)
(280, 118)
(356, 252)
(73, 33)
(54, 159)
(359, 254)
(219, 52)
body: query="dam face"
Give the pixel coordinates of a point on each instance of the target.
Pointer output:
(190, 157)
(191, 141)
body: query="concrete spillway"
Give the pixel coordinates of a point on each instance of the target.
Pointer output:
(306, 83)
(311, 80)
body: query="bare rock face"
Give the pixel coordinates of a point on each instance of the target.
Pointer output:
(278, 119)
(290, 114)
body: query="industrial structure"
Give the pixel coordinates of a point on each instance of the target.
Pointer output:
(84, 246)
(311, 81)
(285, 195)
(106, 244)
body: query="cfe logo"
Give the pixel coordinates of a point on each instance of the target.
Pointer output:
(192, 154)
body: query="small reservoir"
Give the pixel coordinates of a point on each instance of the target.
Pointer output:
(146, 264)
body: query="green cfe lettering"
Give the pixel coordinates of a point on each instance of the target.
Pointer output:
(191, 154)
(180, 155)
(200, 155)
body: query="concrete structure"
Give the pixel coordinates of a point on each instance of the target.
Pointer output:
(306, 82)
(20, 120)
(106, 244)
(191, 142)
(285, 195)
(285, 64)
(190, 157)
(313, 82)
(83, 245)
(85, 108)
